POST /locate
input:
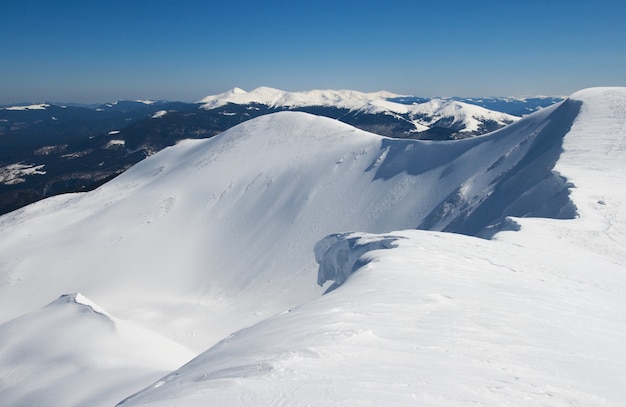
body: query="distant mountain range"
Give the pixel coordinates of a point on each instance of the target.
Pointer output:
(47, 149)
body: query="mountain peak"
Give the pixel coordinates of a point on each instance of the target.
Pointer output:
(237, 91)
(350, 99)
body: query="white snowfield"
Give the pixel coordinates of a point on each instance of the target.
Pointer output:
(40, 106)
(214, 245)
(464, 116)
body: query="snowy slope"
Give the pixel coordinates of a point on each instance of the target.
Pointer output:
(72, 352)
(211, 236)
(467, 119)
(533, 317)
(305, 177)
(439, 320)
(464, 116)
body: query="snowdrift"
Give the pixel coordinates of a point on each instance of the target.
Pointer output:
(212, 236)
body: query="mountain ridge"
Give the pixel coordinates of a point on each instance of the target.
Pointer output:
(58, 149)
(466, 119)
(446, 319)
(211, 245)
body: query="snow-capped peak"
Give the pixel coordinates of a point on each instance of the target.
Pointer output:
(237, 90)
(462, 117)
(40, 106)
(467, 116)
(274, 97)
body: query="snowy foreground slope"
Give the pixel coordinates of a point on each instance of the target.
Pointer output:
(212, 236)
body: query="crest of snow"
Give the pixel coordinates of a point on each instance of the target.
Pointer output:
(80, 299)
(113, 132)
(14, 173)
(159, 114)
(41, 106)
(145, 102)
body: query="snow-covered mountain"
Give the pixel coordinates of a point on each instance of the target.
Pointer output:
(513, 105)
(348, 99)
(427, 118)
(48, 149)
(215, 244)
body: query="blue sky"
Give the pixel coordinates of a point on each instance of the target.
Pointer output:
(97, 51)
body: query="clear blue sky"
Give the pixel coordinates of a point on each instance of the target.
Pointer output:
(97, 51)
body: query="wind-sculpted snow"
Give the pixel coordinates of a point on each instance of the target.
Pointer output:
(209, 237)
(339, 255)
(520, 183)
(436, 319)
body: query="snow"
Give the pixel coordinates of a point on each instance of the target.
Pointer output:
(464, 114)
(466, 117)
(40, 106)
(531, 317)
(218, 245)
(72, 352)
(14, 173)
(159, 114)
(114, 143)
(113, 132)
(274, 97)
(437, 319)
